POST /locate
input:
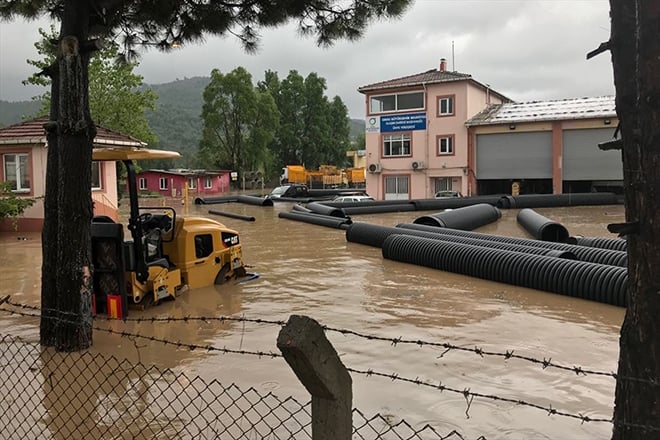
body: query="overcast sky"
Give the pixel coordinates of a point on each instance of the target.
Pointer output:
(528, 50)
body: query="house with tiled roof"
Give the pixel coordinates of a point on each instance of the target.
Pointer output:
(23, 149)
(544, 147)
(416, 137)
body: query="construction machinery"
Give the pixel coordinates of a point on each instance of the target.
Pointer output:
(166, 253)
(327, 176)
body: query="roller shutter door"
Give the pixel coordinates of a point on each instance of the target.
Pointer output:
(583, 160)
(514, 155)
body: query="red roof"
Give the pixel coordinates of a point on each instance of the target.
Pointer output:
(33, 132)
(432, 76)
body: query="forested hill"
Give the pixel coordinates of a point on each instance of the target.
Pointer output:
(176, 120)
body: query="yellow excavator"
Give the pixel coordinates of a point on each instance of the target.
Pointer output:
(166, 253)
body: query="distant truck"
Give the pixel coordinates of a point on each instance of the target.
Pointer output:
(327, 176)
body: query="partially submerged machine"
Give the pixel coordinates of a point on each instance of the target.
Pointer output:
(166, 253)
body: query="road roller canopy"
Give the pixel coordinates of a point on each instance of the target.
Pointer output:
(131, 153)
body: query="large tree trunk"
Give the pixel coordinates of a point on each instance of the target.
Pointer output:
(635, 45)
(67, 277)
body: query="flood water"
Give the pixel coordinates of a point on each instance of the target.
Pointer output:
(312, 270)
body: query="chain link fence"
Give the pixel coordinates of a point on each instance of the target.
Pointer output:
(53, 395)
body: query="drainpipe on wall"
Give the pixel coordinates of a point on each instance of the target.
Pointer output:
(426, 149)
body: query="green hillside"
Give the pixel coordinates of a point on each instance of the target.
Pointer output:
(176, 120)
(13, 112)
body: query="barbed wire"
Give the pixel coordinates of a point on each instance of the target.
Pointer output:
(508, 354)
(469, 395)
(545, 363)
(178, 344)
(466, 392)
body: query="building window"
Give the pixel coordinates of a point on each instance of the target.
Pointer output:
(162, 183)
(17, 172)
(396, 145)
(143, 183)
(208, 182)
(446, 105)
(443, 184)
(396, 188)
(192, 183)
(96, 175)
(396, 102)
(445, 144)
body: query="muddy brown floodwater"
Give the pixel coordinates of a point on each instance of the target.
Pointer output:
(312, 270)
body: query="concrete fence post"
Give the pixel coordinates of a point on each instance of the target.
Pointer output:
(308, 352)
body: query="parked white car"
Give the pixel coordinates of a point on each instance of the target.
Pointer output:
(352, 198)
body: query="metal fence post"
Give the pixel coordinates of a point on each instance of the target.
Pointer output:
(308, 352)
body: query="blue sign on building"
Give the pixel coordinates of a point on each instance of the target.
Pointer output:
(413, 121)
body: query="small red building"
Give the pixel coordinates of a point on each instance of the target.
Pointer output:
(172, 183)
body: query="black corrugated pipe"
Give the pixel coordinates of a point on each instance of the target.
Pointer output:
(300, 208)
(247, 218)
(214, 200)
(466, 218)
(317, 219)
(375, 235)
(379, 209)
(320, 208)
(596, 282)
(615, 244)
(593, 255)
(551, 200)
(253, 200)
(452, 202)
(540, 227)
(366, 203)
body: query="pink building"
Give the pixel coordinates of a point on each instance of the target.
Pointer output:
(172, 183)
(416, 137)
(23, 150)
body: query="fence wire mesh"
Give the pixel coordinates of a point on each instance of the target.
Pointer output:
(46, 394)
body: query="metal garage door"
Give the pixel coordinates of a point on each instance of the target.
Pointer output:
(583, 160)
(514, 155)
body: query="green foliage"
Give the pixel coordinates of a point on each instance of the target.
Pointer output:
(239, 121)
(172, 24)
(10, 204)
(116, 101)
(360, 142)
(176, 120)
(313, 130)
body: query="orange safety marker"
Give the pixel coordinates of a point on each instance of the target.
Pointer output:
(114, 306)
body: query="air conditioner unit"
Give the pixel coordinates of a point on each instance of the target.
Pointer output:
(418, 165)
(375, 168)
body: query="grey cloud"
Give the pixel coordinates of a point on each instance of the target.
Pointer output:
(528, 50)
